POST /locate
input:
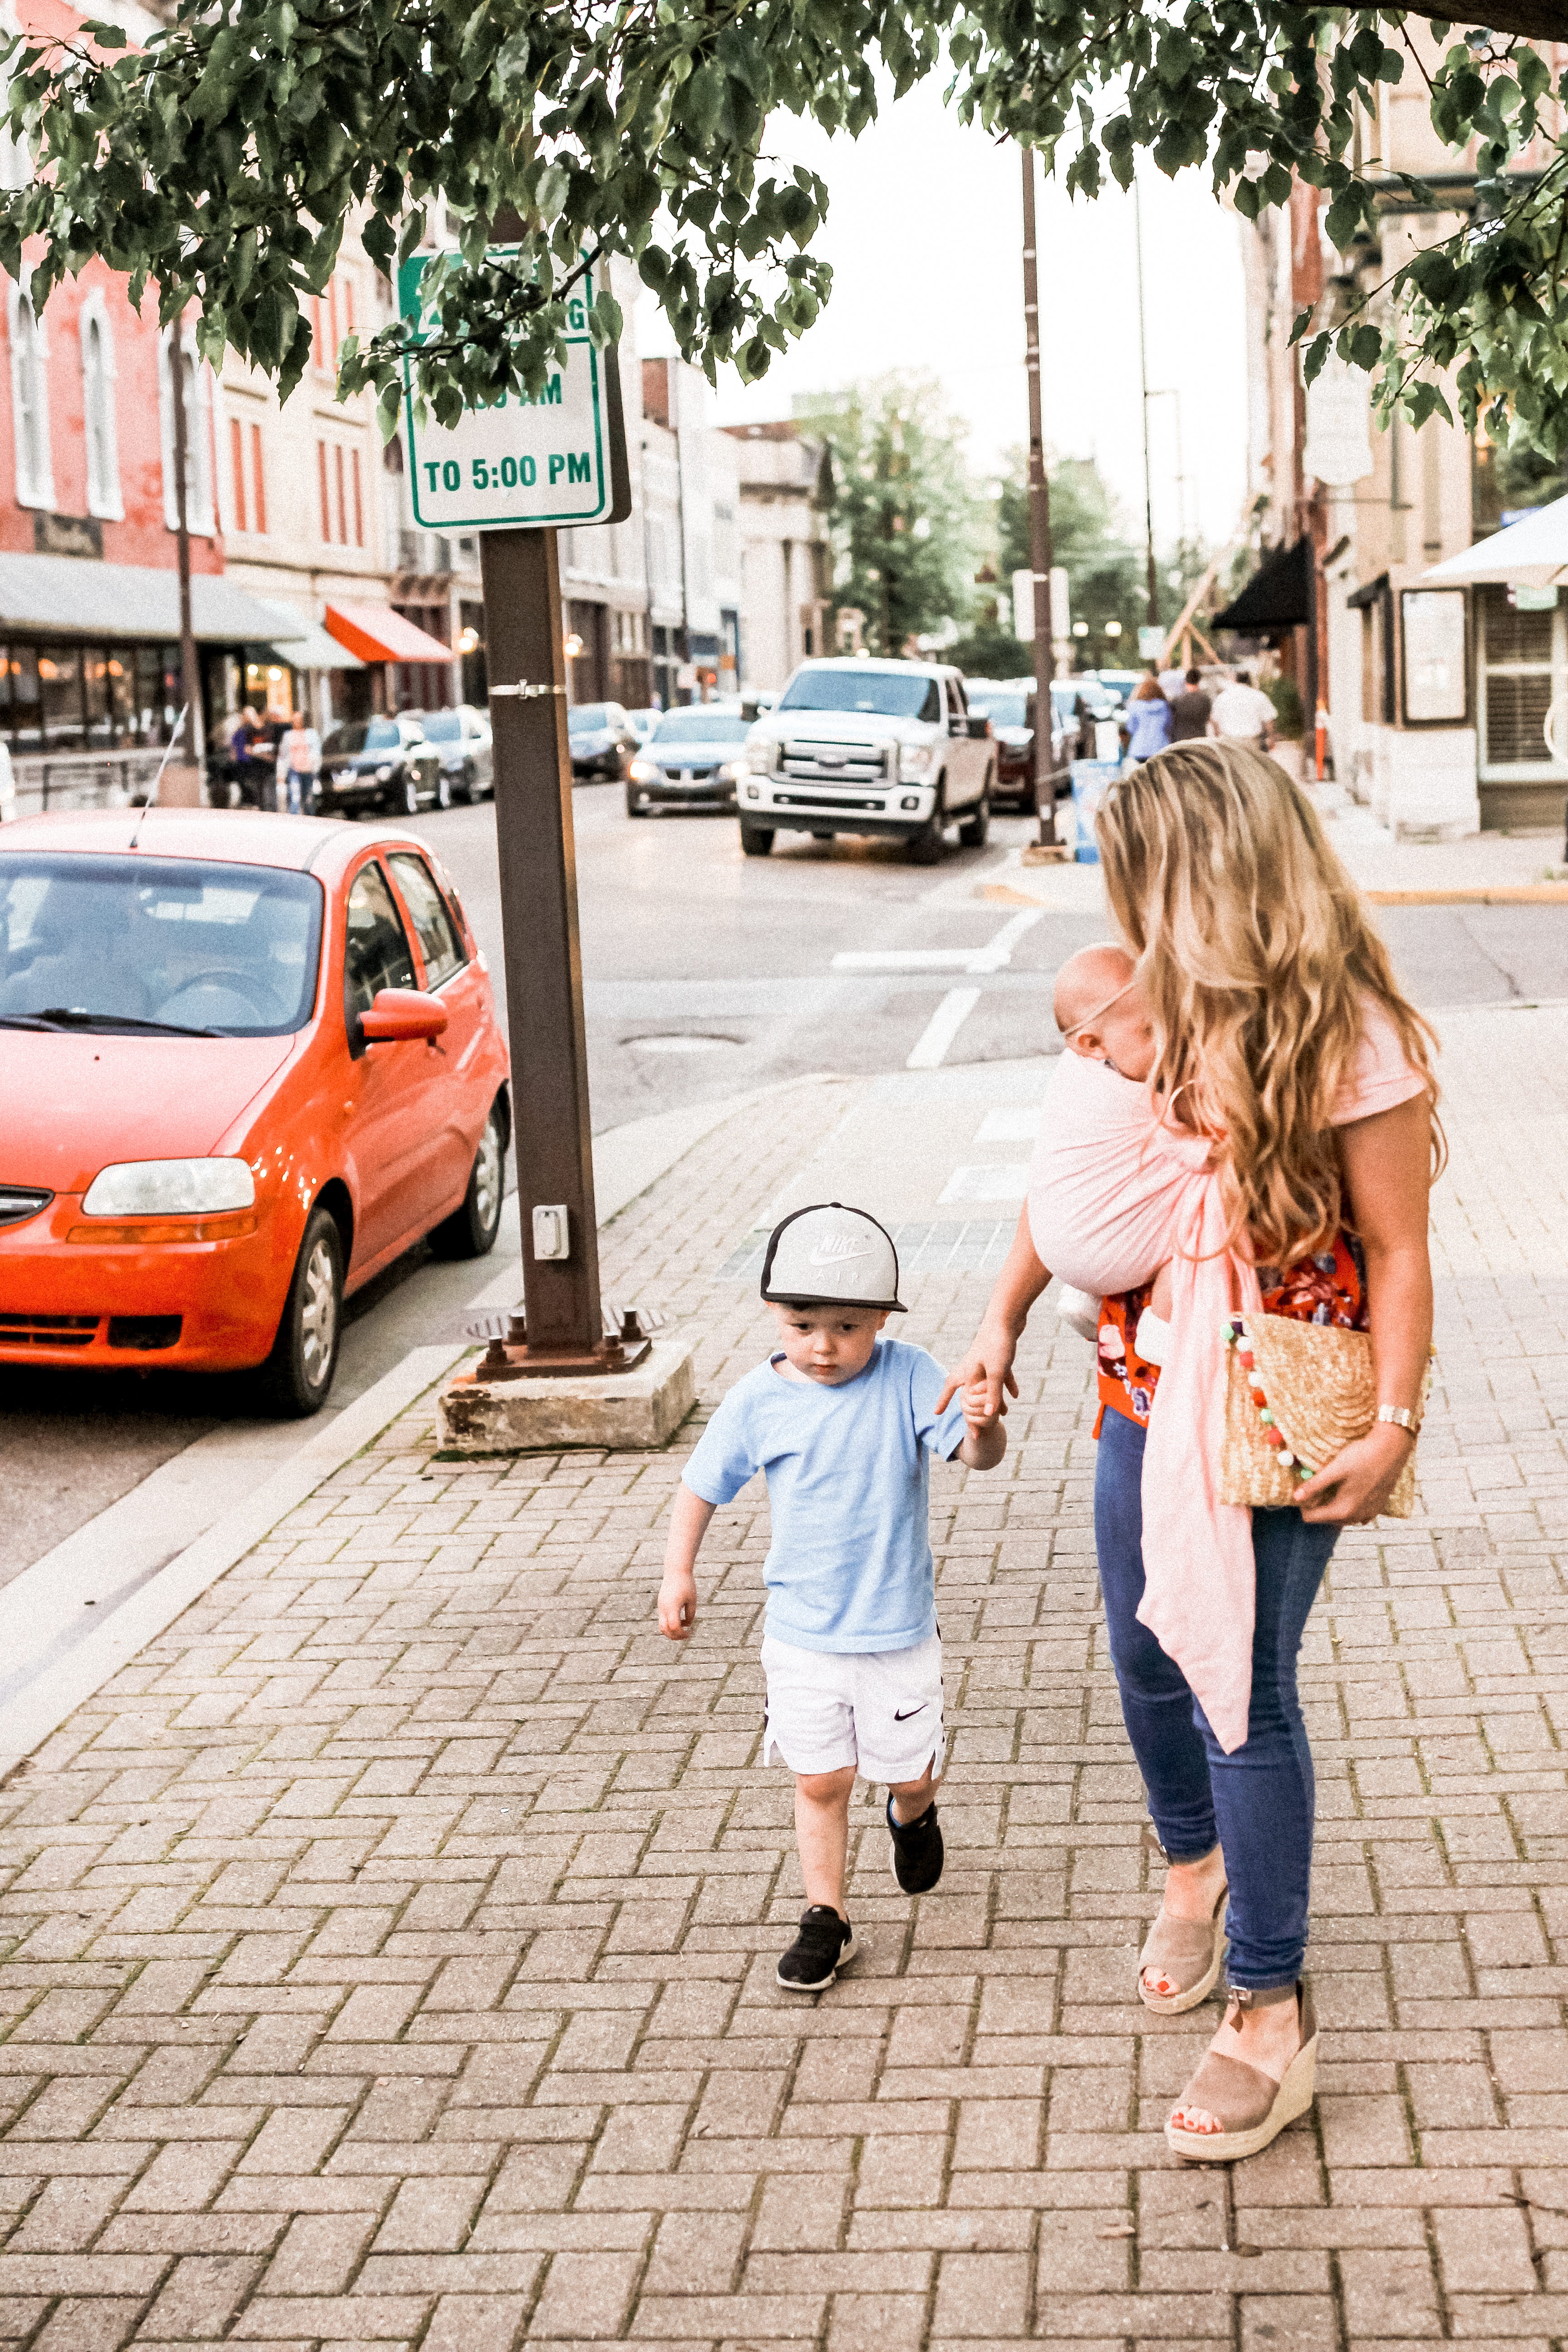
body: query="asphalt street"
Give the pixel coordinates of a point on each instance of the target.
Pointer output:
(707, 974)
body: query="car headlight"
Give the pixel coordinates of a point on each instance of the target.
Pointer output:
(914, 759)
(169, 1188)
(728, 772)
(643, 771)
(762, 758)
(384, 775)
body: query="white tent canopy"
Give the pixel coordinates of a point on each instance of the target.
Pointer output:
(1530, 553)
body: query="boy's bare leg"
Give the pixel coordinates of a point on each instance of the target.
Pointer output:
(910, 1798)
(822, 1834)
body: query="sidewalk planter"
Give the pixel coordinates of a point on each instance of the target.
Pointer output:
(1090, 781)
(620, 1412)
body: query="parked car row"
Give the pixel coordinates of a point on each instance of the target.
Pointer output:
(418, 760)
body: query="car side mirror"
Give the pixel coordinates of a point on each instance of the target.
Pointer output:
(979, 729)
(401, 1015)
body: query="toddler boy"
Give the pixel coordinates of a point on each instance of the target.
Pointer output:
(843, 1423)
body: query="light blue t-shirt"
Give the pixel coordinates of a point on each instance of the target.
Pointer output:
(848, 1473)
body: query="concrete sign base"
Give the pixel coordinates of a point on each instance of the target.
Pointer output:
(624, 1412)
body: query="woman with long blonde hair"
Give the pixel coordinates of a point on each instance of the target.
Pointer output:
(1301, 1078)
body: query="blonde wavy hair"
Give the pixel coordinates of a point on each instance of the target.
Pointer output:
(1255, 954)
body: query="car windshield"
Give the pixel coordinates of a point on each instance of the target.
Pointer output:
(880, 694)
(588, 719)
(157, 943)
(701, 727)
(444, 727)
(1003, 710)
(362, 735)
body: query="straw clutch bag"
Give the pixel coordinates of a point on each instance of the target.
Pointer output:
(1295, 1393)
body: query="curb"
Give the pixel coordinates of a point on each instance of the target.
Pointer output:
(1495, 894)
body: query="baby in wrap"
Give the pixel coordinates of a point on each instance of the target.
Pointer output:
(1119, 1196)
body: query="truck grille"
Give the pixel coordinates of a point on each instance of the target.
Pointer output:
(833, 763)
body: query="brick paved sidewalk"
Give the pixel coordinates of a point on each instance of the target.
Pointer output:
(389, 1951)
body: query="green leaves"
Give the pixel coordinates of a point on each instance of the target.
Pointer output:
(221, 163)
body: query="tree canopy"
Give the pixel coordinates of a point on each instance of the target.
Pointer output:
(905, 518)
(221, 163)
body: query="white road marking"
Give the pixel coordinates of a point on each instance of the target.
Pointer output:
(999, 1179)
(943, 1027)
(996, 952)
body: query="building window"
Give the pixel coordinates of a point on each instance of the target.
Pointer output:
(258, 481)
(199, 515)
(237, 458)
(98, 374)
(359, 498)
(326, 494)
(342, 503)
(30, 403)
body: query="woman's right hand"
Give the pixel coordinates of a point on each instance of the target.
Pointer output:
(987, 1367)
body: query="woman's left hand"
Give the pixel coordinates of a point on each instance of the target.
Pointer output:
(1356, 1485)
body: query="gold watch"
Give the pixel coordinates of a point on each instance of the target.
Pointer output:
(1403, 1416)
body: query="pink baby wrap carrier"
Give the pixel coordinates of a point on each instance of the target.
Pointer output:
(1114, 1193)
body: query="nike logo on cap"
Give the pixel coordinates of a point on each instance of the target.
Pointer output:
(838, 1247)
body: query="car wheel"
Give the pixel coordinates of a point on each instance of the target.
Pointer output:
(471, 784)
(298, 1374)
(925, 847)
(634, 806)
(403, 797)
(972, 832)
(470, 1230)
(756, 840)
(443, 788)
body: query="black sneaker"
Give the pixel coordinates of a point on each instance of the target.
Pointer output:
(917, 1850)
(825, 1944)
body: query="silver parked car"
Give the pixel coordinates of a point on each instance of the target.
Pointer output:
(462, 737)
(692, 760)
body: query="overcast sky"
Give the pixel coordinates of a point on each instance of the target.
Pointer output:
(925, 233)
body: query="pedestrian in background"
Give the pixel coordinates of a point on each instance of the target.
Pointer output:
(1147, 721)
(1244, 714)
(298, 765)
(248, 763)
(1191, 710)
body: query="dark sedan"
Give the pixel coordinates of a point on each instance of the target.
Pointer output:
(690, 760)
(382, 764)
(603, 740)
(1011, 712)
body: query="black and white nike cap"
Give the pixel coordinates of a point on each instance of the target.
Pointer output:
(829, 1256)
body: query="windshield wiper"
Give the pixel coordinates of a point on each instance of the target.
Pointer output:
(69, 1016)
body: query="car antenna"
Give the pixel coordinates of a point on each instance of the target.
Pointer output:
(168, 748)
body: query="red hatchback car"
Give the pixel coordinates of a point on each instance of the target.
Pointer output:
(245, 1062)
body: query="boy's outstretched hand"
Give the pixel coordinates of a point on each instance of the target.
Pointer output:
(677, 1604)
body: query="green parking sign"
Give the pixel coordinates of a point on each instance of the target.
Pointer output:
(523, 463)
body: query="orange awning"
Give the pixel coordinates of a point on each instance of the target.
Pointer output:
(376, 633)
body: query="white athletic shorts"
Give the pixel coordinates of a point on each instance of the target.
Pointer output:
(879, 1711)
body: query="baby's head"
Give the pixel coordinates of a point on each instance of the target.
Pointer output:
(1102, 1013)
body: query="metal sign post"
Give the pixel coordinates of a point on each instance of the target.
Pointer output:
(510, 473)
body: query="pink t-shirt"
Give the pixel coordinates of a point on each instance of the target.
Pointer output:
(1380, 1078)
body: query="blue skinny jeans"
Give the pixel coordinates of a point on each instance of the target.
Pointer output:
(1258, 1803)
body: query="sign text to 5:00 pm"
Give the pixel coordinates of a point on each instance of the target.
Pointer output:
(508, 473)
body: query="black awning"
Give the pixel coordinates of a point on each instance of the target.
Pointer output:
(1277, 596)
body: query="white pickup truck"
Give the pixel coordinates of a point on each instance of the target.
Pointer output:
(887, 748)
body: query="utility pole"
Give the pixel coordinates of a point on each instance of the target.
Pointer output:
(181, 780)
(1040, 551)
(1153, 584)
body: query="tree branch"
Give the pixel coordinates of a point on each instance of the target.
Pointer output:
(1529, 20)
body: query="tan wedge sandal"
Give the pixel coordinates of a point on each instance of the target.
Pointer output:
(1189, 1953)
(1250, 2106)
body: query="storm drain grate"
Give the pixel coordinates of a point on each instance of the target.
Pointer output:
(976, 1247)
